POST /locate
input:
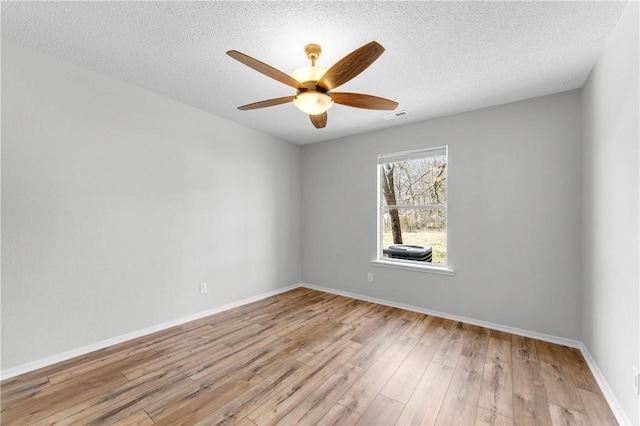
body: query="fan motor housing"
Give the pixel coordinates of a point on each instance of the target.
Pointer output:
(312, 87)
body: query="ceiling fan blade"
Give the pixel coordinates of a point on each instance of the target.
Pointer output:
(265, 69)
(267, 103)
(319, 120)
(350, 66)
(358, 100)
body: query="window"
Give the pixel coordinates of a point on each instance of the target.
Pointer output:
(412, 201)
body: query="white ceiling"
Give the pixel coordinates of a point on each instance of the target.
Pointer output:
(441, 57)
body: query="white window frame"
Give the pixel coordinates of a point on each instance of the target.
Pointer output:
(400, 263)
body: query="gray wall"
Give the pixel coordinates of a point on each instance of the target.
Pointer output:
(117, 203)
(514, 231)
(611, 212)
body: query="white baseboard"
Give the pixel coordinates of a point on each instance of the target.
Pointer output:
(613, 402)
(621, 416)
(45, 362)
(499, 327)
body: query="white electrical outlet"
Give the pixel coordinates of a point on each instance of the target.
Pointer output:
(203, 288)
(370, 277)
(636, 380)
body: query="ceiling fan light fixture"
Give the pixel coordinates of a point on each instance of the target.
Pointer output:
(314, 85)
(313, 102)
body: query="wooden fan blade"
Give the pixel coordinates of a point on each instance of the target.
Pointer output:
(267, 103)
(319, 120)
(350, 66)
(265, 69)
(358, 100)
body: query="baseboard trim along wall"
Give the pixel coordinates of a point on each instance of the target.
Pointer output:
(621, 416)
(45, 362)
(498, 327)
(613, 402)
(606, 390)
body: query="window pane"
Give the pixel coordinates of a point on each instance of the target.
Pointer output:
(418, 227)
(416, 182)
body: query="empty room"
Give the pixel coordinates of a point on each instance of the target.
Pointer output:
(266, 212)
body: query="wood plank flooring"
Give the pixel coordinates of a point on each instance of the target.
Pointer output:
(312, 358)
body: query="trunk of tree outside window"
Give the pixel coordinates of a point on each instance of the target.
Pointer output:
(388, 190)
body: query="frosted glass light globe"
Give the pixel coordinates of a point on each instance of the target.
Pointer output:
(312, 102)
(308, 74)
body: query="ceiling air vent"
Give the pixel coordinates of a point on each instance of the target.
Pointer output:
(394, 115)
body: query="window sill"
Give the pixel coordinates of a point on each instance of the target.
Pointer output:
(411, 266)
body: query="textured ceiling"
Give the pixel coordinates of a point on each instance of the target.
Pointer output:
(441, 57)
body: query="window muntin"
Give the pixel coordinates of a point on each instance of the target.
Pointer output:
(412, 195)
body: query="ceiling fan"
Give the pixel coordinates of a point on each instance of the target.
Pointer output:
(314, 85)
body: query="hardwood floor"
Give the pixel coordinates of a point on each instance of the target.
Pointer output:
(307, 357)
